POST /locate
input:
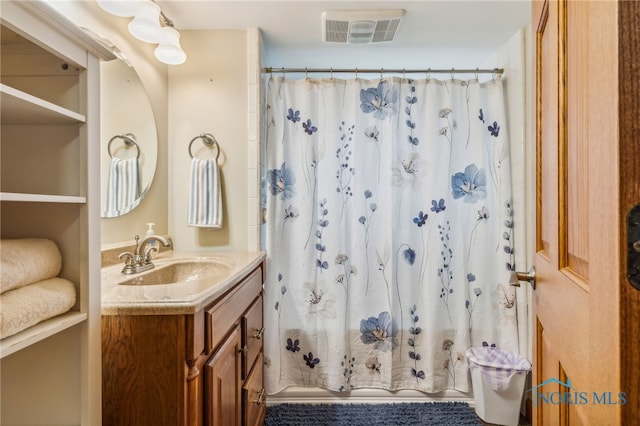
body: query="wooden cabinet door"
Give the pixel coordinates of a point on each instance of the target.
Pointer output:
(252, 337)
(576, 303)
(223, 385)
(254, 397)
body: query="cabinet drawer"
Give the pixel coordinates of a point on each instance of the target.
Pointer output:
(253, 396)
(226, 312)
(252, 336)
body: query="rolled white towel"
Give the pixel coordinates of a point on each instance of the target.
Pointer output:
(26, 306)
(26, 261)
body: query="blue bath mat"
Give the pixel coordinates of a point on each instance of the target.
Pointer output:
(437, 413)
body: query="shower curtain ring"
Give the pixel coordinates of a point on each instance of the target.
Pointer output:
(306, 73)
(477, 72)
(404, 73)
(381, 72)
(453, 73)
(428, 73)
(356, 73)
(331, 73)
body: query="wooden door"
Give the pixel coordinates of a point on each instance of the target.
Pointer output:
(577, 300)
(629, 154)
(223, 385)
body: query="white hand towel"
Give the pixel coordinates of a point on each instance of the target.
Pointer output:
(205, 194)
(124, 185)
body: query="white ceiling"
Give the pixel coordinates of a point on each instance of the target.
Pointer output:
(286, 24)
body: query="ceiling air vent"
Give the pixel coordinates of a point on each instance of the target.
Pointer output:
(360, 26)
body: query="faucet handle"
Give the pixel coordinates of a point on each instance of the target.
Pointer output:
(147, 253)
(128, 257)
(129, 262)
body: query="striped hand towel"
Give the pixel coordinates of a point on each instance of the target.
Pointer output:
(124, 185)
(205, 194)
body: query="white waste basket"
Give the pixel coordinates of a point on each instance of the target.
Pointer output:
(497, 378)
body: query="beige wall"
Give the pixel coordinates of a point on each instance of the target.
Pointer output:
(208, 94)
(154, 77)
(215, 91)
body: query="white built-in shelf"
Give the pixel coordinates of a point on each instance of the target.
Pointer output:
(40, 331)
(20, 108)
(42, 198)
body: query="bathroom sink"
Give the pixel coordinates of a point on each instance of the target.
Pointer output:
(182, 271)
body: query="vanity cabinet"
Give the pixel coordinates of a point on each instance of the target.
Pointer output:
(49, 188)
(201, 368)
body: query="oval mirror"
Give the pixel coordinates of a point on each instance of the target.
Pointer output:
(128, 139)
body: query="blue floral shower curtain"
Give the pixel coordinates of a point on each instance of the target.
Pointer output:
(389, 232)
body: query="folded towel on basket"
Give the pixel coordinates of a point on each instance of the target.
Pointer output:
(123, 188)
(205, 194)
(26, 306)
(27, 260)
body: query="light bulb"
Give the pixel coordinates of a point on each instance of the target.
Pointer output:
(169, 50)
(146, 24)
(125, 8)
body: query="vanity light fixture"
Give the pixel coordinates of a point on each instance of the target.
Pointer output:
(124, 8)
(150, 25)
(169, 50)
(145, 25)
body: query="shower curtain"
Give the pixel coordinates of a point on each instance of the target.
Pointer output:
(389, 232)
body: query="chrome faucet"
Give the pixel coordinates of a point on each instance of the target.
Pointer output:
(140, 259)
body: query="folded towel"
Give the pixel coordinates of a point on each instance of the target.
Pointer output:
(31, 304)
(123, 188)
(27, 260)
(205, 194)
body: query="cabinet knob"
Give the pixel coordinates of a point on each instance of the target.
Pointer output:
(258, 334)
(260, 399)
(244, 350)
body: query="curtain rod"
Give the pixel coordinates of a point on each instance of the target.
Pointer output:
(268, 70)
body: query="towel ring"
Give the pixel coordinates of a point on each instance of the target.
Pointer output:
(208, 140)
(129, 140)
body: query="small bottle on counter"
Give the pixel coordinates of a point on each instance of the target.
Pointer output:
(151, 232)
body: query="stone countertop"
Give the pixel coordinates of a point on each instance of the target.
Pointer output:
(177, 298)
